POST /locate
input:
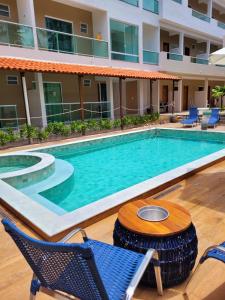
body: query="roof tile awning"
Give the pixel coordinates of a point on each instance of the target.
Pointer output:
(25, 65)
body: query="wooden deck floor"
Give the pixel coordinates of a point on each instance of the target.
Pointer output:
(203, 194)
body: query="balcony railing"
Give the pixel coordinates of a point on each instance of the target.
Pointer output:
(150, 57)
(178, 1)
(131, 2)
(201, 61)
(200, 16)
(8, 116)
(151, 5)
(125, 57)
(175, 56)
(68, 112)
(13, 34)
(221, 24)
(72, 44)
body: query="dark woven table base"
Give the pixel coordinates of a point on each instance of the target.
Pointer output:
(177, 253)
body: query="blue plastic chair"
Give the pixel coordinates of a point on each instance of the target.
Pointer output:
(90, 270)
(214, 252)
(192, 118)
(214, 117)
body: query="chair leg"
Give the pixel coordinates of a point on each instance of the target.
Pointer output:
(191, 279)
(158, 276)
(32, 297)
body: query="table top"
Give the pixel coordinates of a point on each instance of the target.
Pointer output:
(179, 218)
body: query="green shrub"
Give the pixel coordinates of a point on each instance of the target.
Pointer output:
(28, 131)
(105, 124)
(43, 134)
(116, 123)
(12, 135)
(93, 125)
(4, 138)
(65, 130)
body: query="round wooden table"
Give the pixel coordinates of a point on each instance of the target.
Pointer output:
(174, 238)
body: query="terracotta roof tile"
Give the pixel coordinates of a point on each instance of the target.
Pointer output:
(24, 65)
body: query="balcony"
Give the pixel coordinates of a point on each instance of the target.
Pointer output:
(17, 35)
(175, 56)
(150, 57)
(200, 16)
(151, 5)
(197, 60)
(131, 2)
(178, 1)
(55, 41)
(68, 112)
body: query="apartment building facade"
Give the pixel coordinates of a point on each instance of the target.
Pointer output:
(170, 36)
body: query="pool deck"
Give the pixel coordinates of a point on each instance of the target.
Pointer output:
(202, 194)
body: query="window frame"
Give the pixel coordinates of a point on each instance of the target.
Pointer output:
(8, 81)
(87, 80)
(84, 23)
(6, 5)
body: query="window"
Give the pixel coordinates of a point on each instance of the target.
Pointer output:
(83, 27)
(4, 10)
(12, 80)
(124, 41)
(87, 82)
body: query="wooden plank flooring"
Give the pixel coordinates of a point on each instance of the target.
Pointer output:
(203, 195)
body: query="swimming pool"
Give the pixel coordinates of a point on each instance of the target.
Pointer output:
(107, 166)
(79, 180)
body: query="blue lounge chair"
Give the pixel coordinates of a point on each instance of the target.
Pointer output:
(215, 252)
(89, 271)
(192, 118)
(214, 118)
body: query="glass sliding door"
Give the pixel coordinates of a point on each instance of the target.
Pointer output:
(53, 101)
(124, 41)
(60, 39)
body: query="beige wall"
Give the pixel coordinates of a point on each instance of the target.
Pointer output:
(131, 97)
(68, 13)
(198, 47)
(12, 94)
(13, 11)
(173, 40)
(193, 86)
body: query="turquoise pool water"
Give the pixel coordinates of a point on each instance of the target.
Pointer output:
(104, 167)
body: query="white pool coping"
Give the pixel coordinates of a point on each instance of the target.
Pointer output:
(45, 161)
(51, 224)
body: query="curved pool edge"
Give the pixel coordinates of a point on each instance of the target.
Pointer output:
(38, 216)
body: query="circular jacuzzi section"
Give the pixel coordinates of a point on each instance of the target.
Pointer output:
(23, 169)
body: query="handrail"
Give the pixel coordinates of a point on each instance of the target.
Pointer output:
(71, 34)
(123, 53)
(14, 23)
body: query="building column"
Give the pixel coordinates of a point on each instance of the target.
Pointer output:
(25, 96)
(40, 90)
(181, 43)
(206, 86)
(156, 95)
(140, 87)
(209, 9)
(110, 97)
(26, 15)
(178, 96)
(208, 44)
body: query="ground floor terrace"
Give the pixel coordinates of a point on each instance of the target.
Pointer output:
(202, 194)
(42, 97)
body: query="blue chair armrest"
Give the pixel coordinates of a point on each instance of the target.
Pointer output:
(72, 234)
(151, 254)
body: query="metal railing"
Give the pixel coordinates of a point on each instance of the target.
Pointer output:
(197, 60)
(221, 24)
(14, 34)
(178, 1)
(68, 112)
(125, 56)
(151, 5)
(8, 116)
(150, 57)
(200, 16)
(72, 44)
(131, 2)
(175, 56)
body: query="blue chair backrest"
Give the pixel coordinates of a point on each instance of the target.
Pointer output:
(215, 113)
(69, 268)
(193, 112)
